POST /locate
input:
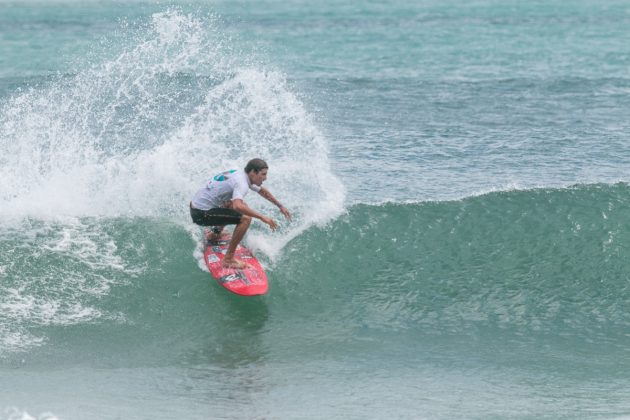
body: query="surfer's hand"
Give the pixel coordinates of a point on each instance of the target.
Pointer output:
(285, 212)
(268, 220)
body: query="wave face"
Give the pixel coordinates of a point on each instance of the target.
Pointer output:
(539, 262)
(552, 261)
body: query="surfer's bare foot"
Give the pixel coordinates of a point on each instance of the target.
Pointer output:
(233, 263)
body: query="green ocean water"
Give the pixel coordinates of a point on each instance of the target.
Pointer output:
(458, 175)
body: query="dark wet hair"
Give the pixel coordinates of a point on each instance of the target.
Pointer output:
(256, 165)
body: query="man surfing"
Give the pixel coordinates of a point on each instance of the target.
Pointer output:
(220, 202)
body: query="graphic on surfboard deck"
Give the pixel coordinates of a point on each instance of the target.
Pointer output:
(249, 281)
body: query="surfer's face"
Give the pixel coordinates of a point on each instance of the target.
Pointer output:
(258, 178)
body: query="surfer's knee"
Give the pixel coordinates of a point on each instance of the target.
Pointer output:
(245, 220)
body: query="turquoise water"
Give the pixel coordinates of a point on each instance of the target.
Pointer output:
(458, 175)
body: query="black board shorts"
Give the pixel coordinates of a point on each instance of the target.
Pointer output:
(215, 217)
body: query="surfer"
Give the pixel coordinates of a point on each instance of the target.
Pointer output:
(220, 202)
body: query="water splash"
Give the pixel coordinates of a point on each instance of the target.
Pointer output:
(138, 133)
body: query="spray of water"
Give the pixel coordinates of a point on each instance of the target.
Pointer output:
(138, 133)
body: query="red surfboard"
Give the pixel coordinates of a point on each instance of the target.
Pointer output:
(249, 281)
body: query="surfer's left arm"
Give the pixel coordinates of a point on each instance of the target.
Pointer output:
(269, 197)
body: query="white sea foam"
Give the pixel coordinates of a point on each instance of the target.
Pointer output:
(14, 413)
(55, 276)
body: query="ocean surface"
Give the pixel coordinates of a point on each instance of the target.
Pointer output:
(458, 174)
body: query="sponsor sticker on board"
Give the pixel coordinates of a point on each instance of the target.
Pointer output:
(231, 277)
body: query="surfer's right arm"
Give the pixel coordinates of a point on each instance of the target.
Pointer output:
(266, 194)
(240, 206)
